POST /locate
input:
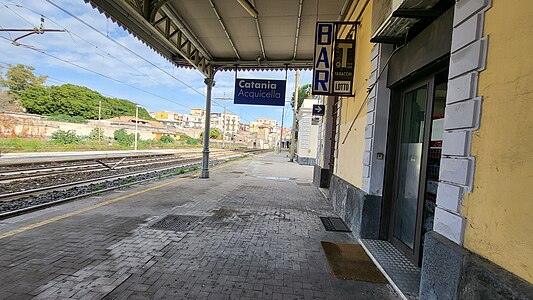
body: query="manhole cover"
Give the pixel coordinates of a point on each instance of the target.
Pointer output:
(334, 224)
(303, 183)
(176, 223)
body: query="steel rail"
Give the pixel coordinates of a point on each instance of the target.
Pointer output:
(68, 199)
(8, 176)
(4, 166)
(9, 196)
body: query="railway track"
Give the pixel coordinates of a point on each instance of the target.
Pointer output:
(23, 200)
(7, 176)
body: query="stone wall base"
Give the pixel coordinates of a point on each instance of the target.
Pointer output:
(450, 271)
(306, 161)
(360, 211)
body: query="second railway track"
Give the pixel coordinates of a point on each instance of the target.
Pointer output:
(31, 194)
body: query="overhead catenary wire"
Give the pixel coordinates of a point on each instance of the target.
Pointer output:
(105, 76)
(70, 33)
(22, 17)
(130, 51)
(122, 46)
(117, 43)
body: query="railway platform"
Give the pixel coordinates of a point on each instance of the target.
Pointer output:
(251, 231)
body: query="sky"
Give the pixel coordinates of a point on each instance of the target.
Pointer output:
(98, 58)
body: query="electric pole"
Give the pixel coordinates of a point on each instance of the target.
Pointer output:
(99, 118)
(295, 110)
(224, 127)
(281, 130)
(136, 126)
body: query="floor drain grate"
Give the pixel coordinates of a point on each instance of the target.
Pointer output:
(303, 183)
(334, 224)
(176, 223)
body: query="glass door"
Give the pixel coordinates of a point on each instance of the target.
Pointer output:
(409, 166)
(417, 162)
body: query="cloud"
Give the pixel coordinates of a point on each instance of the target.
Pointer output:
(89, 49)
(86, 47)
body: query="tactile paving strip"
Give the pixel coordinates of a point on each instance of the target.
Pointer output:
(178, 223)
(404, 274)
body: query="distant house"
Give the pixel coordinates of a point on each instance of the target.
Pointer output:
(131, 120)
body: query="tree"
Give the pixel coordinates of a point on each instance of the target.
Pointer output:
(303, 93)
(68, 99)
(214, 134)
(20, 78)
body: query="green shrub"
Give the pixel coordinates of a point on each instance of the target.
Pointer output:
(66, 137)
(123, 138)
(214, 134)
(166, 139)
(191, 141)
(93, 136)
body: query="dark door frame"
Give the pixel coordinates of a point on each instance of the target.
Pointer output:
(391, 163)
(413, 254)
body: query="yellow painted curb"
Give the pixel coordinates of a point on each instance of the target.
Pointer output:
(86, 209)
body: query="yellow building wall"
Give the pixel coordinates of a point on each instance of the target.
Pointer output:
(499, 211)
(161, 115)
(349, 162)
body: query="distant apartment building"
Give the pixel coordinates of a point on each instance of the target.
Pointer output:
(231, 123)
(197, 112)
(228, 123)
(256, 126)
(170, 119)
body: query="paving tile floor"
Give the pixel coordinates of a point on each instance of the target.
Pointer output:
(257, 237)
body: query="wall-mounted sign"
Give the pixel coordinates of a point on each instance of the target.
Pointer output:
(318, 109)
(324, 37)
(334, 61)
(259, 92)
(343, 67)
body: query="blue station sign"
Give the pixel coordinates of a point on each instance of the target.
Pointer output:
(259, 92)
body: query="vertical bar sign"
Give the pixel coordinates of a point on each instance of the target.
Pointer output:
(343, 67)
(323, 59)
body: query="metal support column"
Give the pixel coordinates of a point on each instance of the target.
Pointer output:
(209, 82)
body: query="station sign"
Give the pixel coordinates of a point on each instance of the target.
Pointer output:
(260, 92)
(318, 109)
(334, 61)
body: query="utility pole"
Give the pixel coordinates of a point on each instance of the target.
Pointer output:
(136, 127)
(295, 110)
(281, 130)
(99, 118)
(224, 127)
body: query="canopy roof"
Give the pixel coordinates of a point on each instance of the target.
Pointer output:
(218, 34)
